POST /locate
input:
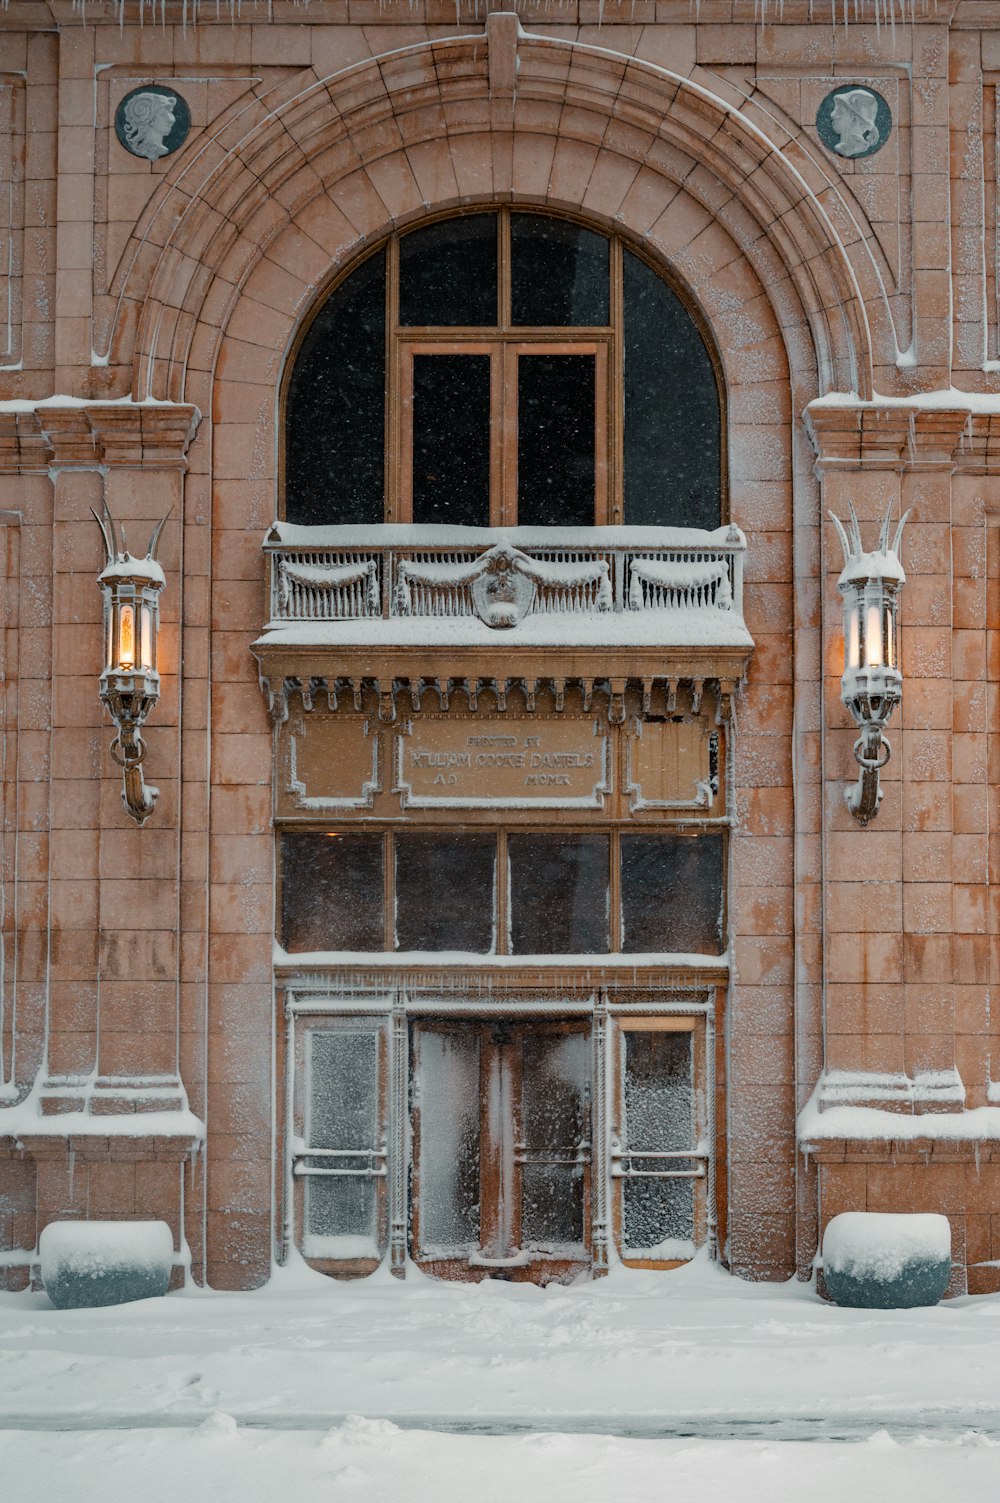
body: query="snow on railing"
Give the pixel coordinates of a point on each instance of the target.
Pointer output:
(324, 574)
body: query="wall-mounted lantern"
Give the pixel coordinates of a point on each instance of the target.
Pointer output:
(872, 685)
(130, 682)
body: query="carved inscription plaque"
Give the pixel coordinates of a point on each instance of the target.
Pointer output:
(330, 762)
(508, 762)
(673, 765)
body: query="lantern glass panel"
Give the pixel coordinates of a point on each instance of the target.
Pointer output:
(873, 636)
(146, 647)
(126, 637)
(852, 638)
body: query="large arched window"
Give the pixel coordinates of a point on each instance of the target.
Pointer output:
(500, 369)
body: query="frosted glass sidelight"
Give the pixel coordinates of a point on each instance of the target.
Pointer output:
(331, 891)
(448, 1101)
(672, 893)
(658, 1213)
(343, 1088)
(448, 273)
(559, 273)
(672, 416)
(555, 1133)
(341, 1207)
(335, 406)
(445, 892)
(451, 439)
(559, 888)
(556, 418)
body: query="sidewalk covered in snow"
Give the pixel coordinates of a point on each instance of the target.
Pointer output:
(423, 1390)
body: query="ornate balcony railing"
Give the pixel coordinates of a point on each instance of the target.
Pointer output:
(500, 576)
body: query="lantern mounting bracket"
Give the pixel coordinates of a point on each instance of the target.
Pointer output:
(130, 682)
(872, 685)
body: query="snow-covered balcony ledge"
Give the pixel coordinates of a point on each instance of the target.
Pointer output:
(443, 607)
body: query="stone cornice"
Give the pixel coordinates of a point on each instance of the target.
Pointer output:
(95, 435)
(946, 431)
(889, 435)
(67, 13)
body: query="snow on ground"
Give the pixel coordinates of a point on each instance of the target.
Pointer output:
(317, 1391)
(364, 1462)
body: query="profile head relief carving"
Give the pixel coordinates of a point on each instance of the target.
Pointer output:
(854, 122)
(152, 122)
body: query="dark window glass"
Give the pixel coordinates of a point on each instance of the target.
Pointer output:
(672, 893)
(445, 892)
(672, 423)
(331, 891)
(659, 1118)
(335, 434)
(448, 273)
(555, 440)
(559, 273)
(451, 439)
(558, 894)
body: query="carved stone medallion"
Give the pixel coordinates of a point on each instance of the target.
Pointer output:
(152, 121)
(854, 121)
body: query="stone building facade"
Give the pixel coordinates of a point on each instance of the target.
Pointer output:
(195, 1022)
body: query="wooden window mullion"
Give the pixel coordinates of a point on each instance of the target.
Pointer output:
(615, 883)
(502, 895)
(392, 381)
(616, 382)
(389, 891)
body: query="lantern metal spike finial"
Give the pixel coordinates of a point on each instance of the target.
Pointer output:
(130, 682)
(155, 537)
(844, 543)
(871, 685)
(107, 526)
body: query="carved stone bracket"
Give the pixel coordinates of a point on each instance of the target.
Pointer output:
(387, 699)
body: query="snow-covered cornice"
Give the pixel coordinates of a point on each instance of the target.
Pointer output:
(947, 428)
(63, 432)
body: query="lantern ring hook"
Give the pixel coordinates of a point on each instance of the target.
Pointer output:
(878, 761)
(126, 758)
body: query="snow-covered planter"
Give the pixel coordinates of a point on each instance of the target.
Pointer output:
(878, 1261)
(105, 1262)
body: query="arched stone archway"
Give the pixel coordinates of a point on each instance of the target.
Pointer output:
(375, 144)
(282, 207)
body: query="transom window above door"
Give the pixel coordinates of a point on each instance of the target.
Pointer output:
(503, 369)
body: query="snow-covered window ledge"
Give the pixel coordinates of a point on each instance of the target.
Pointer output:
(917, 1115)
(453, 970)
(33, 1124)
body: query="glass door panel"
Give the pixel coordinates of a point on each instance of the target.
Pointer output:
(554, 1151)
(658, 1160)
(344, 1161)
(446, 1141)
(501, 1149)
